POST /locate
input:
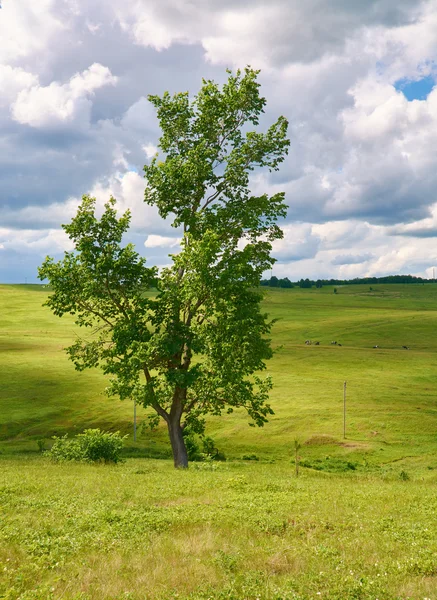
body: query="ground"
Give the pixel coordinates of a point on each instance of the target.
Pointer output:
(359, 522)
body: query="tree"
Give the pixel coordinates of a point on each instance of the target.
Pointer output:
(196, 347)
(285, 283)
(305, 283)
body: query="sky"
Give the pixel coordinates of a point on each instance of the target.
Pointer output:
(355, 79)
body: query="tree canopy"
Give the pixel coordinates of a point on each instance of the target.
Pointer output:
(197, 346)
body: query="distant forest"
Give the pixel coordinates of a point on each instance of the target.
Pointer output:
(308, 283)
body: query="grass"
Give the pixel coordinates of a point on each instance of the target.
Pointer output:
(391, 397)
(360, 521)
(142, 530)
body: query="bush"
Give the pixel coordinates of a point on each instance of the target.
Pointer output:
(92, 445)
(194, 450)
(249, 457)
(41, 443)
(210, 449)
(330, 465)
(192, 446)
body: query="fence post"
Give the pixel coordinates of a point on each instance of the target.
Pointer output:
(344, 410)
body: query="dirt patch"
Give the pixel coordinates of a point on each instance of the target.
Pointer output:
(359, 445)
(321, 440)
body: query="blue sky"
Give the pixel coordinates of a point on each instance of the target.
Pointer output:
(416, 90)
(361, 175)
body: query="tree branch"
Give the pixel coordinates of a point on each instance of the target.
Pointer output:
(155, 405)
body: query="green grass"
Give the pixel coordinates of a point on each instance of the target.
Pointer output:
(348, 527)
(145, 531)
(391, 396)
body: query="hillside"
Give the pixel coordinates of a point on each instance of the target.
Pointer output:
(391, 396)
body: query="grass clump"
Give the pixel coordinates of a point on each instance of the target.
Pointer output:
(330, 464)
(90, 446)
(250, 457)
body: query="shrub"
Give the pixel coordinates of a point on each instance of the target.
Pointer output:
(210, 449)
(92, 445)
(330, 465)
(249, 457)
(192, 446)
(41, 444)
(196, 452)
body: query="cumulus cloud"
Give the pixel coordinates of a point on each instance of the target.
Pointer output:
(257, 32)
(159, 241)
(360, 178)
(55, 104)
(351, 259)
(26, 27)
(12, 81)
(299, 242)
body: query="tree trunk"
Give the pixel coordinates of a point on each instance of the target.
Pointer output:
(179, 450)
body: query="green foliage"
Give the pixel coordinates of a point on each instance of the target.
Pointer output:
(305, 283)
(193, 447)
(250, 457)
(92, 445)
(41, 443)
(330, 464)
(201, 448)
(195, 349)
(275, 282)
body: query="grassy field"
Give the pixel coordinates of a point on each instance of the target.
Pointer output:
(243, 531)
(391, 392)
(360, 521)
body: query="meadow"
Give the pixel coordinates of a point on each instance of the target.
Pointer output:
(359, 521)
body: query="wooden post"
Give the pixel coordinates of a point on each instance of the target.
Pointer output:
(135, 421)
(297, 447)
(344, 410)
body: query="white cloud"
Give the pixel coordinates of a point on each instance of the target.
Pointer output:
(150, 150)
(26, 28)
(12, 81)
(51, 105)
(299, 242)
(159, 241)
(39, 242)
(362, 171)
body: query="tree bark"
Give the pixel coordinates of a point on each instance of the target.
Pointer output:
(180, 456)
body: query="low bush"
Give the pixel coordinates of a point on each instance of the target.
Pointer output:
(90, 446)
(330, 465)
(201, 448)
(249, 457)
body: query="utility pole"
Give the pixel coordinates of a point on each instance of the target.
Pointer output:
(344, 410)
(135, 421)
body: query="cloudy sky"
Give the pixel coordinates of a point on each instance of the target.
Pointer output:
(355, 79)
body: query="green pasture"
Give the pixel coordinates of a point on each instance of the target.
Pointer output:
(391, 392)
(358, 523)
(235, 531)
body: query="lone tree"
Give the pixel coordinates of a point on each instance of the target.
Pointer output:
(195, 347)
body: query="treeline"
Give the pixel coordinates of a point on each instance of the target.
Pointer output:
(275, 282)
(308, 283)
